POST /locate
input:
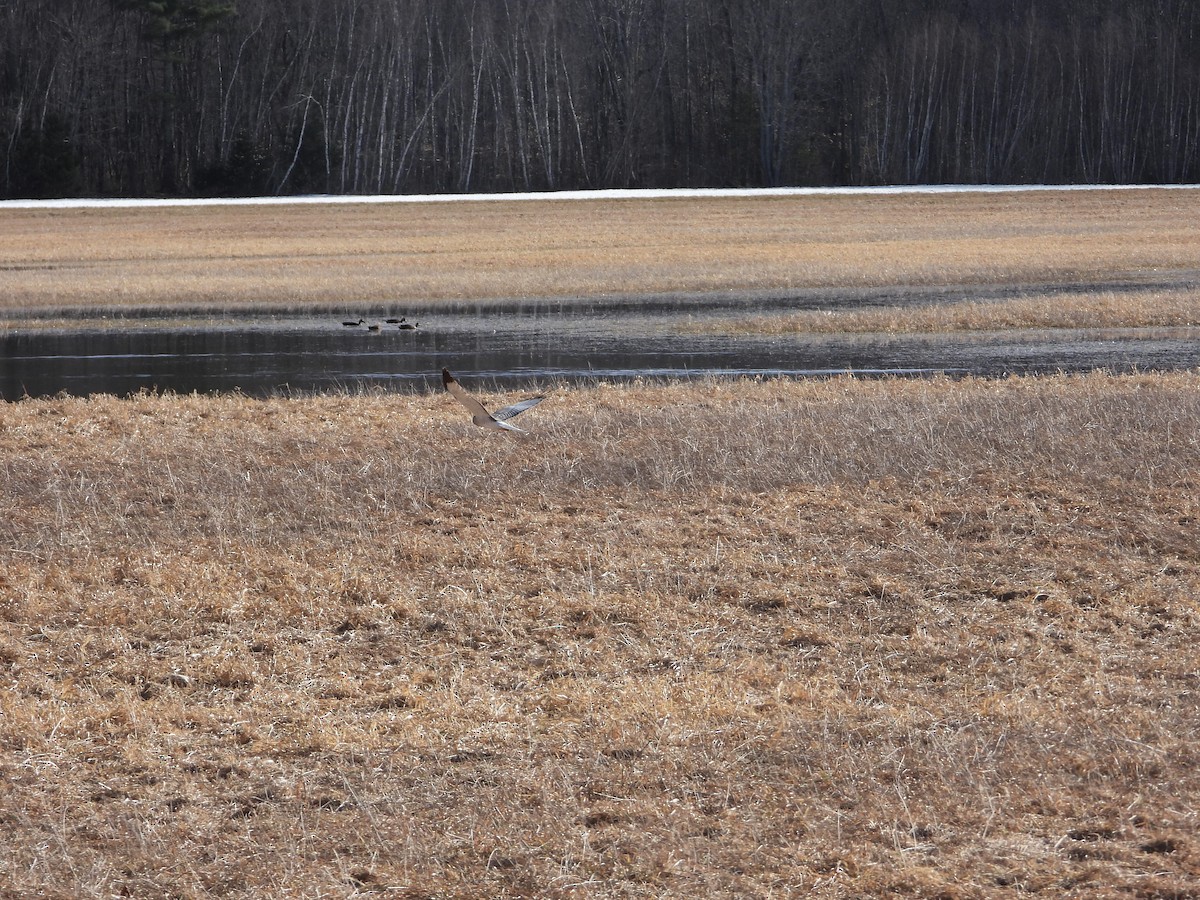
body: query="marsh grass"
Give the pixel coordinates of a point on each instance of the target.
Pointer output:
(829, 638)
(357, 257)
(1105, 310)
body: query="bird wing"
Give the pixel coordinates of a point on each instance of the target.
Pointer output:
(473, 406)
(516, 409)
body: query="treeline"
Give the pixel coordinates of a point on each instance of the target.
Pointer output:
(224, 97)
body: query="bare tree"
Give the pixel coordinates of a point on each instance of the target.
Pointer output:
(235, 96)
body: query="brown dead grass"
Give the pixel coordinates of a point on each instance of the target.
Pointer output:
(342, 256)
(1112, 309)
(835, 638)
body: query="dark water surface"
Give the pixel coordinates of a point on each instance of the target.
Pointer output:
(524, 344)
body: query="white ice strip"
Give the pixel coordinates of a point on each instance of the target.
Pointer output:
(608, 194)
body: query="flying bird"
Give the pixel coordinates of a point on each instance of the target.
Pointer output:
(498, 420)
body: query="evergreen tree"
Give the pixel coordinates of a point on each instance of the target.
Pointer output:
(43, 164)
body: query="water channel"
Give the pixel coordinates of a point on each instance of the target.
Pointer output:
(523, 344)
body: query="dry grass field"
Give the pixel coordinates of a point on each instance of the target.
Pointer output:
(832, 638)
(1177, 307)
(835, 638)
(346, 256)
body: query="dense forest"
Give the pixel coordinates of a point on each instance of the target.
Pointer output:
(227, 97)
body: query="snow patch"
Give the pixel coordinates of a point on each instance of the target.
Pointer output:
(610, 194)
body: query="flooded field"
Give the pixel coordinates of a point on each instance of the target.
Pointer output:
(525, 343)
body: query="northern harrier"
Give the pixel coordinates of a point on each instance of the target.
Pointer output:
(480, 416)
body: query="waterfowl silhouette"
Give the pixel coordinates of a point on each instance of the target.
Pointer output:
(353, 324)
(497, 421)
(393, 321)
(408, 326)
(372, 328)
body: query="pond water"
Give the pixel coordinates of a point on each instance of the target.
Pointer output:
(526, 344)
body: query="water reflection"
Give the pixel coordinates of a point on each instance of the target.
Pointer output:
(519, 346)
